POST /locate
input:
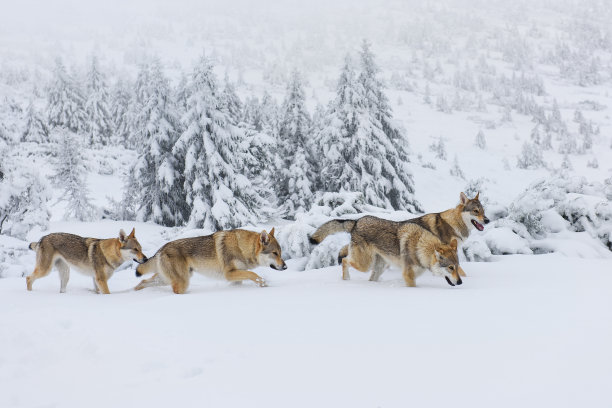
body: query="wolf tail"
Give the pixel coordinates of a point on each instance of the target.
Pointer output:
(331, 227)
(146, 267)
(34, 246)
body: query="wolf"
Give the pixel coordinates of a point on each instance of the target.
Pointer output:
(229, 254)
(455, 223)
(376, 243)
(92, 256)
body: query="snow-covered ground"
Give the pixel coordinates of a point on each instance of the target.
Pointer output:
(523, 330)
(526, 331)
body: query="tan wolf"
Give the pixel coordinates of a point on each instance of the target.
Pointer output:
(456, 223)
(227, 254)
(92, 256)
(376, 243)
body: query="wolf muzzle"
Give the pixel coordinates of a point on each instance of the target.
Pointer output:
(145, 259)
(282, 268)
(459, 281)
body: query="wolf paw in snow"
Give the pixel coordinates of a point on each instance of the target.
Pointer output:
(261, 282)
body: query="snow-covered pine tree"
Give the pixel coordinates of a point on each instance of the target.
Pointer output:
(97, 106)
(182, 93)
(157, 173)
(119, 109)
(439, 148)
(23, 199)
(35, 129)
(339, 147)
(218, 195)
(536, 135)
(586, 131)
(455, 170)
(296, 184)
(442, 104)
(251, 113)
(395, 185)
(139, 97)
(566, 164)
(530, 157)
(270, 114)
(65, 102)
(230, 102)
(70, 175)
(481, 141)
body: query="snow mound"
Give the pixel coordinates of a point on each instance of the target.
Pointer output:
(326, 253)
(568, 215)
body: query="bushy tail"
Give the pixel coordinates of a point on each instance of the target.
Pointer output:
(34, 246)
(146, 267)
(331, 227)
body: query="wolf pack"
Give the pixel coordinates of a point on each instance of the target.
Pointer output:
(428, 242)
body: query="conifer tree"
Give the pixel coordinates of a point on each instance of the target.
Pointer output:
(295, 187)
(97, 106)
(359, 148)
(481, 141)
(218, 194)
(35, 129)
(66, 105)
(120, 111)
(70, 175)
(158, 174)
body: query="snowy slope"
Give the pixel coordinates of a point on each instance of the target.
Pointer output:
(528, 331)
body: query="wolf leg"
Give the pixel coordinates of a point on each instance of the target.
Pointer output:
(42, 269)
(378, 269)
(360, 256)
(241, 274)
(408, 274)
(155, 280)
(176, 271)
(96, 289)
(342, 254)
(64, 273)
(101, 281)
(345, 269)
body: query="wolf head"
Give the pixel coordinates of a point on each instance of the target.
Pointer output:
(130, 247)
(472, 212)
(270, 253)
(447, 263)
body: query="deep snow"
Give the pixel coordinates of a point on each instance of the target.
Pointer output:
(521, 331)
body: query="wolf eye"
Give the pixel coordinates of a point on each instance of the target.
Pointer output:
(452, 268)
(475, 211)
(275, 253)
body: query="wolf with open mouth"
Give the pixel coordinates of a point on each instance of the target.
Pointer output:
(455, 223)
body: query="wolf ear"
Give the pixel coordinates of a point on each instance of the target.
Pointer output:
(453, 244)
(437, 252)
(264, 237)
(477, 195)
(272, 231)
(463, 198)
(133, 233)
(121, 235)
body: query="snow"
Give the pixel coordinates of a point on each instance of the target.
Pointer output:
(524, 330)
(508, 101)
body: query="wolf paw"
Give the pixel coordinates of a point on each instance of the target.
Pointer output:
(261, 282)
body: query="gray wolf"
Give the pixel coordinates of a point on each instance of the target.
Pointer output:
(228, 254)
(92, 256)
